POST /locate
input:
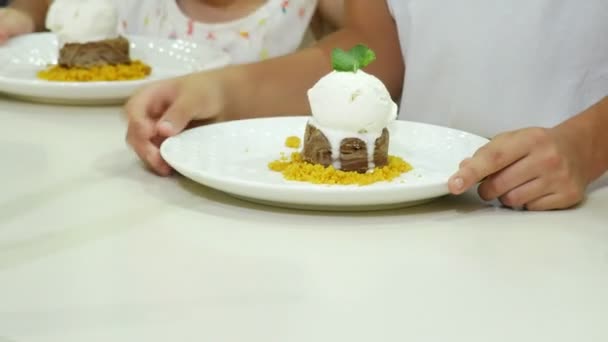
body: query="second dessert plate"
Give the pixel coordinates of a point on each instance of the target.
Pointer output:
(21, 58)
(233, 157)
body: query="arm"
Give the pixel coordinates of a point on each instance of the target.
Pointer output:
(591, 127)
(278, 86)
(539, 168)
(274, 87)
(35, 9)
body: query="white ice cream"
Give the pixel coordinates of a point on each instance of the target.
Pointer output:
(354, 102)
(83, 21)
(351, 105)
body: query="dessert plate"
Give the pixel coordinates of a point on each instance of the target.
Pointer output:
(21, 58)
(233, 157)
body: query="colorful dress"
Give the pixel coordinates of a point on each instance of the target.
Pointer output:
(274, 29)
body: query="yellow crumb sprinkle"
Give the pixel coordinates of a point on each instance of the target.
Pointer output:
(123, 72)
(293, 142)
(296, 169)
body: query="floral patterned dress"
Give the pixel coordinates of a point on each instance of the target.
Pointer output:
(274, 29)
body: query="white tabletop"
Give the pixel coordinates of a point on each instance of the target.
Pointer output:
(94, 248)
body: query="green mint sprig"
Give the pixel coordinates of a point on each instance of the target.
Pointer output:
(352, 60)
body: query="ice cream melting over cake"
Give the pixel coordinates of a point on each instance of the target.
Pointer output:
(346, 141)
(351, 104)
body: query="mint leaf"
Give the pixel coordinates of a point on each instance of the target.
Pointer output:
(363, 54)
(356, 58)
(343, 61)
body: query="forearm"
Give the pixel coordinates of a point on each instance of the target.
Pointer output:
(279, 86)
(36, 9)
(592, 125)
(600, 137)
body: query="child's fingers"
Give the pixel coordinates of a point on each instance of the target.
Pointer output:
(179, 115)
(141, 136)
(501, 152)
(143, 111)
(513, 176)
(526, 193)
(176, 118)
(550, 202)
(155, 161)
(146, 102)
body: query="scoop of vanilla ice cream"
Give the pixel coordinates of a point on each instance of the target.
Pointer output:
(352, 101)
(83, 21)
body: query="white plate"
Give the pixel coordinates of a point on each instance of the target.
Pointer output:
(21, 58)
(232, 157)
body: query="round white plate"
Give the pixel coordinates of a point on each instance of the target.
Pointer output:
(21, 58)
(233, 157)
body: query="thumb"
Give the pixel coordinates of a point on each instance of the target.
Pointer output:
(177, 116)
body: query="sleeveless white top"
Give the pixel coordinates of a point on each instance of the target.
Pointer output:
(492, 66)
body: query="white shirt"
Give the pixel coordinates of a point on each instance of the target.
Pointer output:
(275, 29)
(492, 66)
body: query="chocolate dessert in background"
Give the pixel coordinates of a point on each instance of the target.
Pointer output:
(100, 53)
(353, 151)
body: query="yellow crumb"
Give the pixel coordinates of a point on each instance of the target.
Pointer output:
(296, 169)
(123, 72)
(293, 142)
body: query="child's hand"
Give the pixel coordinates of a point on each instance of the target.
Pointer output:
(533, 168)
(13, 23)
(166, 108)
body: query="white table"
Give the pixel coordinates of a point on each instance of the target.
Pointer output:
(94, 248)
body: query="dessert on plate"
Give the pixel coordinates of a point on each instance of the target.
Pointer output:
(90, 46)
(351, 110)
(346, 140)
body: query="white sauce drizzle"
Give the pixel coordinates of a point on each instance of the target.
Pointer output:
(335, 138)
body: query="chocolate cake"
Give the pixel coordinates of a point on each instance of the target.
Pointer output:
(354, 154)
(99, 53)
(351, 111)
